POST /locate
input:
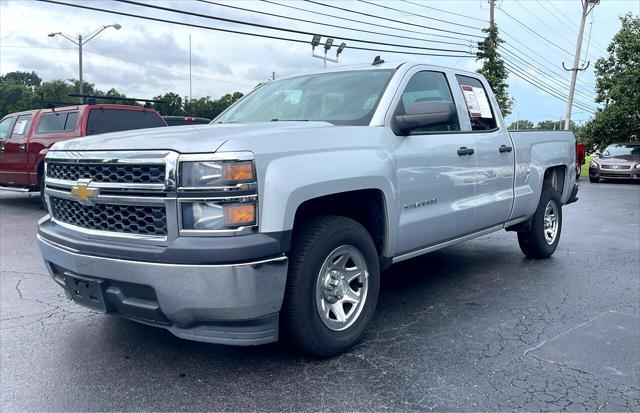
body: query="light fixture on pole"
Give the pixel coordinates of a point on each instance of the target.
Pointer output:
(79, 41)
(327, 45)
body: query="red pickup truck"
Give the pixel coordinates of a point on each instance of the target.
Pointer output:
(25, 137)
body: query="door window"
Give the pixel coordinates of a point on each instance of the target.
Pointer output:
(428, 87)
(5, 128)
(480, 110)
(113, 120)
(58, 122)
(21, 128)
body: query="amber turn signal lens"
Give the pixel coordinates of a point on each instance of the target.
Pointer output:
(238, 171)
(237, 215)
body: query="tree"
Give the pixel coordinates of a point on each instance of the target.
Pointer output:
(172, 105)
(521, 124)
(555, 125)
(14, 98)
(28, 79)
(618, 89)
(494, 70)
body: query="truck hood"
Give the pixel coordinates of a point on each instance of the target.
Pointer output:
(186, 139)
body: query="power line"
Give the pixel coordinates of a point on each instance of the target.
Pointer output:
(389, 19)
(537, 67)
(534, 32)
(419, 15)
(546, 76)
(564, 23)
(289, 6)
(330, 25)
(554, 93)
(266, 26)
(551, 28)
(444, 11)
(265, 36)
(533, 51)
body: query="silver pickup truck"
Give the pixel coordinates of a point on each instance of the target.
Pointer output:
(275, 221)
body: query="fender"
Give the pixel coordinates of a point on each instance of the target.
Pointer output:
(292, 180)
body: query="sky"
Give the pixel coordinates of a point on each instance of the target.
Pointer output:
(147, 58)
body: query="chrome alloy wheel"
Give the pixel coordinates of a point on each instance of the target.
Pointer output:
(550, 222)
(341, 288)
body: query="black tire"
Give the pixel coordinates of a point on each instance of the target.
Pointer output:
(301, 325)
(594, 180)
(578, 173)
(43, 201)
(533, 242)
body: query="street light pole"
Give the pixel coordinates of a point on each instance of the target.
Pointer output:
(80, 42)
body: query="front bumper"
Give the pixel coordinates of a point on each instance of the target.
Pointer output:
(633, 173)
(226, 303)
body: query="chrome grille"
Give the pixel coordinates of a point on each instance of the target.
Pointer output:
(108, 172)
(128, 219)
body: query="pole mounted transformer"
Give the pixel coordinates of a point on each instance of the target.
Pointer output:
(587, 7)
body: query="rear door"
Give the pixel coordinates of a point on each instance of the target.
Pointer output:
(6, 126)
(495, 154)
(14, 155)
(435, 169)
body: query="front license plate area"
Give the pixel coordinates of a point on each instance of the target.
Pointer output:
(86, 291)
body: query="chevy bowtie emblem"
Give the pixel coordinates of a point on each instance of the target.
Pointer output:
(82, 192)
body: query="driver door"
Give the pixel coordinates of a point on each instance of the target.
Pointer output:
(435, 170)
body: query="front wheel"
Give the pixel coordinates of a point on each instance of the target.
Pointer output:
(541, 240)
(43, 200)
(332, 286)
(594, 180)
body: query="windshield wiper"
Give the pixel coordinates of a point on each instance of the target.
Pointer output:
(289, 120)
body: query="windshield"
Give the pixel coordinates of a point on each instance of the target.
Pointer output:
(621, 150)
(342, 98)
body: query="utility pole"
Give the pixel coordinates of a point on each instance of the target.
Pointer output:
(587, 6)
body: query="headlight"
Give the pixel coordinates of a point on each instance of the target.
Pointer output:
(594, 164)
(637, 166)
(215, 216)
(208, 174)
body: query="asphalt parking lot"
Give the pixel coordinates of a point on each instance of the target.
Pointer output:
(472, 327)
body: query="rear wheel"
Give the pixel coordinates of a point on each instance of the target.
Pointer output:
(543, 235)
(332, 286)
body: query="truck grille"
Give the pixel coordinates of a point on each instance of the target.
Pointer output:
(108, 172)
(129, 219)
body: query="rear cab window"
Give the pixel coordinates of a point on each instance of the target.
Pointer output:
(58, 122)
(114, 120)
(481, 112)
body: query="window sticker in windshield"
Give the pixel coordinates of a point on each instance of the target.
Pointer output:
(477, 102)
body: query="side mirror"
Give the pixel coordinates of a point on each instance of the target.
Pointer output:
(423, 114)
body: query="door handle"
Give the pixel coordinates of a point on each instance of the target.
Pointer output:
(22, 147)
(465, 151)
(505, 148)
